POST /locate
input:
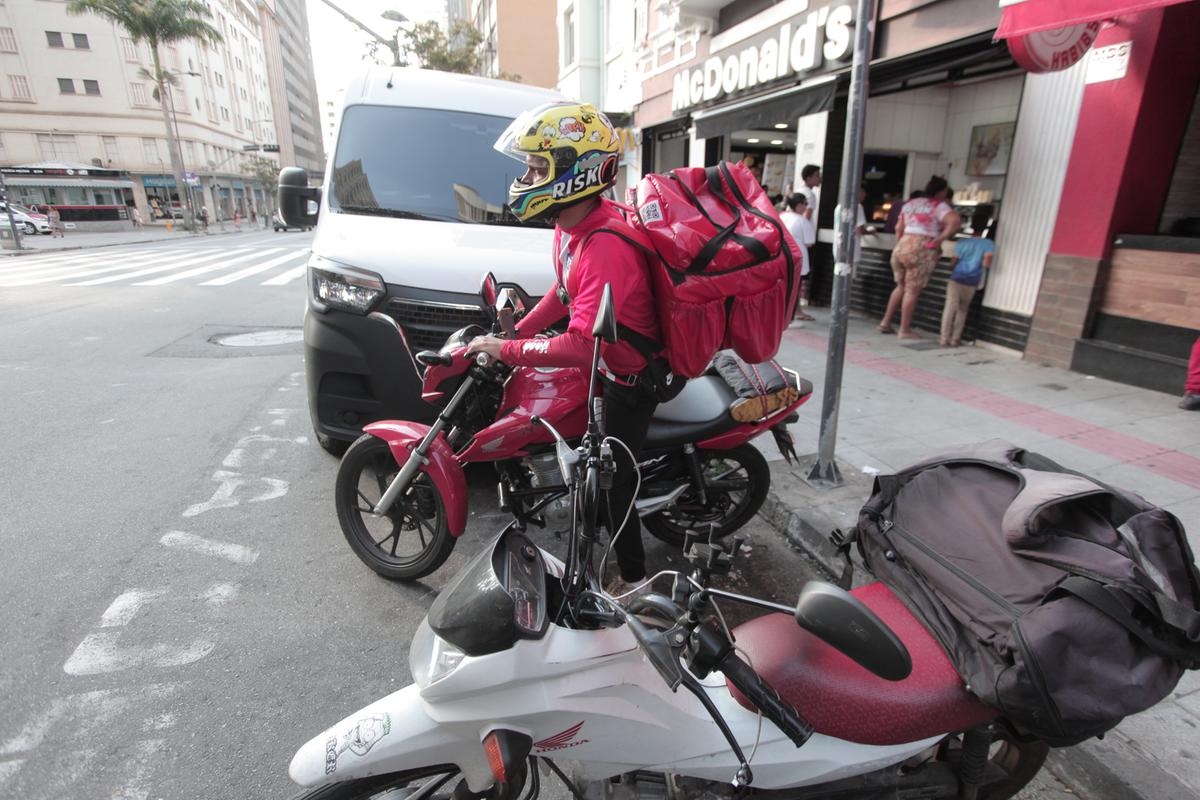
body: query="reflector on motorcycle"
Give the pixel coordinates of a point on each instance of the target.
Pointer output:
(506, 751)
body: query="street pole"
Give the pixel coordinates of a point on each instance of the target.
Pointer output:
(394, 46)
(825, 474)
(12, 223)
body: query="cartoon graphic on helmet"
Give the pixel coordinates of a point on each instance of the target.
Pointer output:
(568, 151)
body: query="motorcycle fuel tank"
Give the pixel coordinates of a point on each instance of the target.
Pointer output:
(558, 395)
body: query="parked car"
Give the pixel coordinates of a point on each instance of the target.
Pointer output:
(410, 219)
(280, 224)
(30, 221)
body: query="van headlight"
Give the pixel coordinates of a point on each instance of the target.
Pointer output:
(431, 658)
(345, 288)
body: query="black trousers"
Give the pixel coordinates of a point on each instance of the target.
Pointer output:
(627, 412)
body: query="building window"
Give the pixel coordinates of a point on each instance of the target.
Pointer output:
(54, 39)
(190, 150)
(568, 44)
(150, 151)
(111, 153)
(66, 86)
(58, 147)
(138, 91)
(81, 41)
(20, 87)
(224, 113)
(220, 80)
(190, 67)
(197, 103)
(91, 87)
(8, 41)
(1, 144)
(129, 48)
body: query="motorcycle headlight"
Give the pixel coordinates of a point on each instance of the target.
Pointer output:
(431, 658)
(345, 288)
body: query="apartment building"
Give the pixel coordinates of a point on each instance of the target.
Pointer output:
(520, 40)
(84, 131)
(288, 51)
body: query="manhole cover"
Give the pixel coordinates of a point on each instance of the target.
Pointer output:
(264, 338)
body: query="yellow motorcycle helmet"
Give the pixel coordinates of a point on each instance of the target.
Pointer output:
(568, 153)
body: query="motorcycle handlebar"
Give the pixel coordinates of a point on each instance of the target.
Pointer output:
(763, 696)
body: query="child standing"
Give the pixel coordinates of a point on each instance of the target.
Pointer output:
(971, 257)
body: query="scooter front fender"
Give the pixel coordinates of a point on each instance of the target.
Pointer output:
(392, 734)
(443, 468)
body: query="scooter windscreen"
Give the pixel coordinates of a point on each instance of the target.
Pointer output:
(498, 597)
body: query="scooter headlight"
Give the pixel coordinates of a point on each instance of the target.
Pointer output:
(431, 658)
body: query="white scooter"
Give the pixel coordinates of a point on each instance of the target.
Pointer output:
(525, 667)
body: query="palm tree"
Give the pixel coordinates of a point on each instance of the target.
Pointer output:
(159, 22)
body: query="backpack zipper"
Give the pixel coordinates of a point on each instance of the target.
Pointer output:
(1035, 669)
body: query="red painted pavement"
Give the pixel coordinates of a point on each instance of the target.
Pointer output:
(1136, 452)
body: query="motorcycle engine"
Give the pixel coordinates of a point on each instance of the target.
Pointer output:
(543, 472)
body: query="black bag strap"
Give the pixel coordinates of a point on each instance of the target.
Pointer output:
(842, 539)
(646, 347)
(1100, 598)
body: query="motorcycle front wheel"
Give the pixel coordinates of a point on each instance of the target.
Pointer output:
(429, 783)
(736, 482)
(410, 541)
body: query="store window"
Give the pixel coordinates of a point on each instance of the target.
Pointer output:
(81, 41)
(66, 86)
(19, 85)
(8, 41)
(91, 87)
(54, 39)
(568, 43)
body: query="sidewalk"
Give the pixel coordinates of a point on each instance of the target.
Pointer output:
(901, 403)
(86, 240)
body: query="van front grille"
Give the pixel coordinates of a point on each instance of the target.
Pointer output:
(427, 325)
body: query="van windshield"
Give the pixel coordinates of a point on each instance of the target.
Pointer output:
(420, 163)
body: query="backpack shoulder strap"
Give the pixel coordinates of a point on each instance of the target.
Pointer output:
(1100, 598)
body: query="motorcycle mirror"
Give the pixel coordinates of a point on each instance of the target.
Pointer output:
(842, 620)
(509, 297)
(488, 290)
(606, 318)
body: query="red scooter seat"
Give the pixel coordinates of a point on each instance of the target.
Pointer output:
(844, 700)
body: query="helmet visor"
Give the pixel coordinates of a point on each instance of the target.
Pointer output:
(521, 141)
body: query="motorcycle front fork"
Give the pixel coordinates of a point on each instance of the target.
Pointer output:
(418, 457)
(696, 470)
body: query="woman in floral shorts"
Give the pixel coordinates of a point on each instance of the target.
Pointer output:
(924, 223)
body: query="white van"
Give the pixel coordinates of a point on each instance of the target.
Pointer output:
(410, 219)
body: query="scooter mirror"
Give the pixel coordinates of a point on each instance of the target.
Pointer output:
(606, 318)
(844, 622)
(488, 291)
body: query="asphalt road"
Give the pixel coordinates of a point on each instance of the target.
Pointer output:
(178, 609)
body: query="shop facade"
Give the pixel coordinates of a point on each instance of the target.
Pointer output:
(87, 198)
(1079, 151)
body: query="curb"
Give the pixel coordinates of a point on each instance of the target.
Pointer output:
(1099, 769)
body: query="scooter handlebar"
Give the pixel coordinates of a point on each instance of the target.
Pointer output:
(763, 696)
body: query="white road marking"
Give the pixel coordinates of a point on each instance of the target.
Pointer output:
(187, 262)
(100, 653)
(26, 263)
(287, 277)
(278, 488)
(191, 273)
(219, 594)
(145, 754)
(234, 459)
(126, 606)
(236, 553)
(66, 272)
(222, 497)
(9, 768)
(257, 268)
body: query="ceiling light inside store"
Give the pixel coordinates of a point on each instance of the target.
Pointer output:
(777, 141)
(752, 141)
(781, 125)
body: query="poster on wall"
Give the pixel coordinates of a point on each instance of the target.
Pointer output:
(991, 146)
(774, 170)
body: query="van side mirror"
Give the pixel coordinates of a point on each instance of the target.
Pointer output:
(606, 318)
(298, 202)
(844, 622)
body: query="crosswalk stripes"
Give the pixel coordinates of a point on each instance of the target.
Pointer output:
(204, 266)
(224, 280)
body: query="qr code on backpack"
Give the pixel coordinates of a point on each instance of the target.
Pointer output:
(651, 212)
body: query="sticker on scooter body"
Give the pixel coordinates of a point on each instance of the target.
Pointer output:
(561, 740)
(358, 739)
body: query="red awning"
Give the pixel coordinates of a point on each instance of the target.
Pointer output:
(1027, 16)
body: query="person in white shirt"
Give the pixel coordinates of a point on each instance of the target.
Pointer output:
(805, 233)
(860, 228)
(811, 176)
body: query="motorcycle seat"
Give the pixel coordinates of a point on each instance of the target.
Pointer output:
(699, 411)
(844, 700)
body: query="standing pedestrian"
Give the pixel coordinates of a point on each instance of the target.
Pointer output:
(811, 177)
(972, 256)
(805, 234)
(56, 226)
(893, 216)
(204, 217)
(136, 216)
(237, 219)
(1191, 389)
(924, 224)
(565, 177)
(860, 228)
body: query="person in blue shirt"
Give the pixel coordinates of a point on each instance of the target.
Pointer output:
(972, 255)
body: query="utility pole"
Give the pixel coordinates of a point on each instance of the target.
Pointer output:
(825, 474)
(392, 45)
(12, 223)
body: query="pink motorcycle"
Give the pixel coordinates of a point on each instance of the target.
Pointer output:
(401, 492)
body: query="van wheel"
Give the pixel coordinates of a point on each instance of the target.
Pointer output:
(335, 447)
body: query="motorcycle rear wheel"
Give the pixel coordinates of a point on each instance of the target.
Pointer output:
(416, 522)
(390, 786)
(736, 483)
